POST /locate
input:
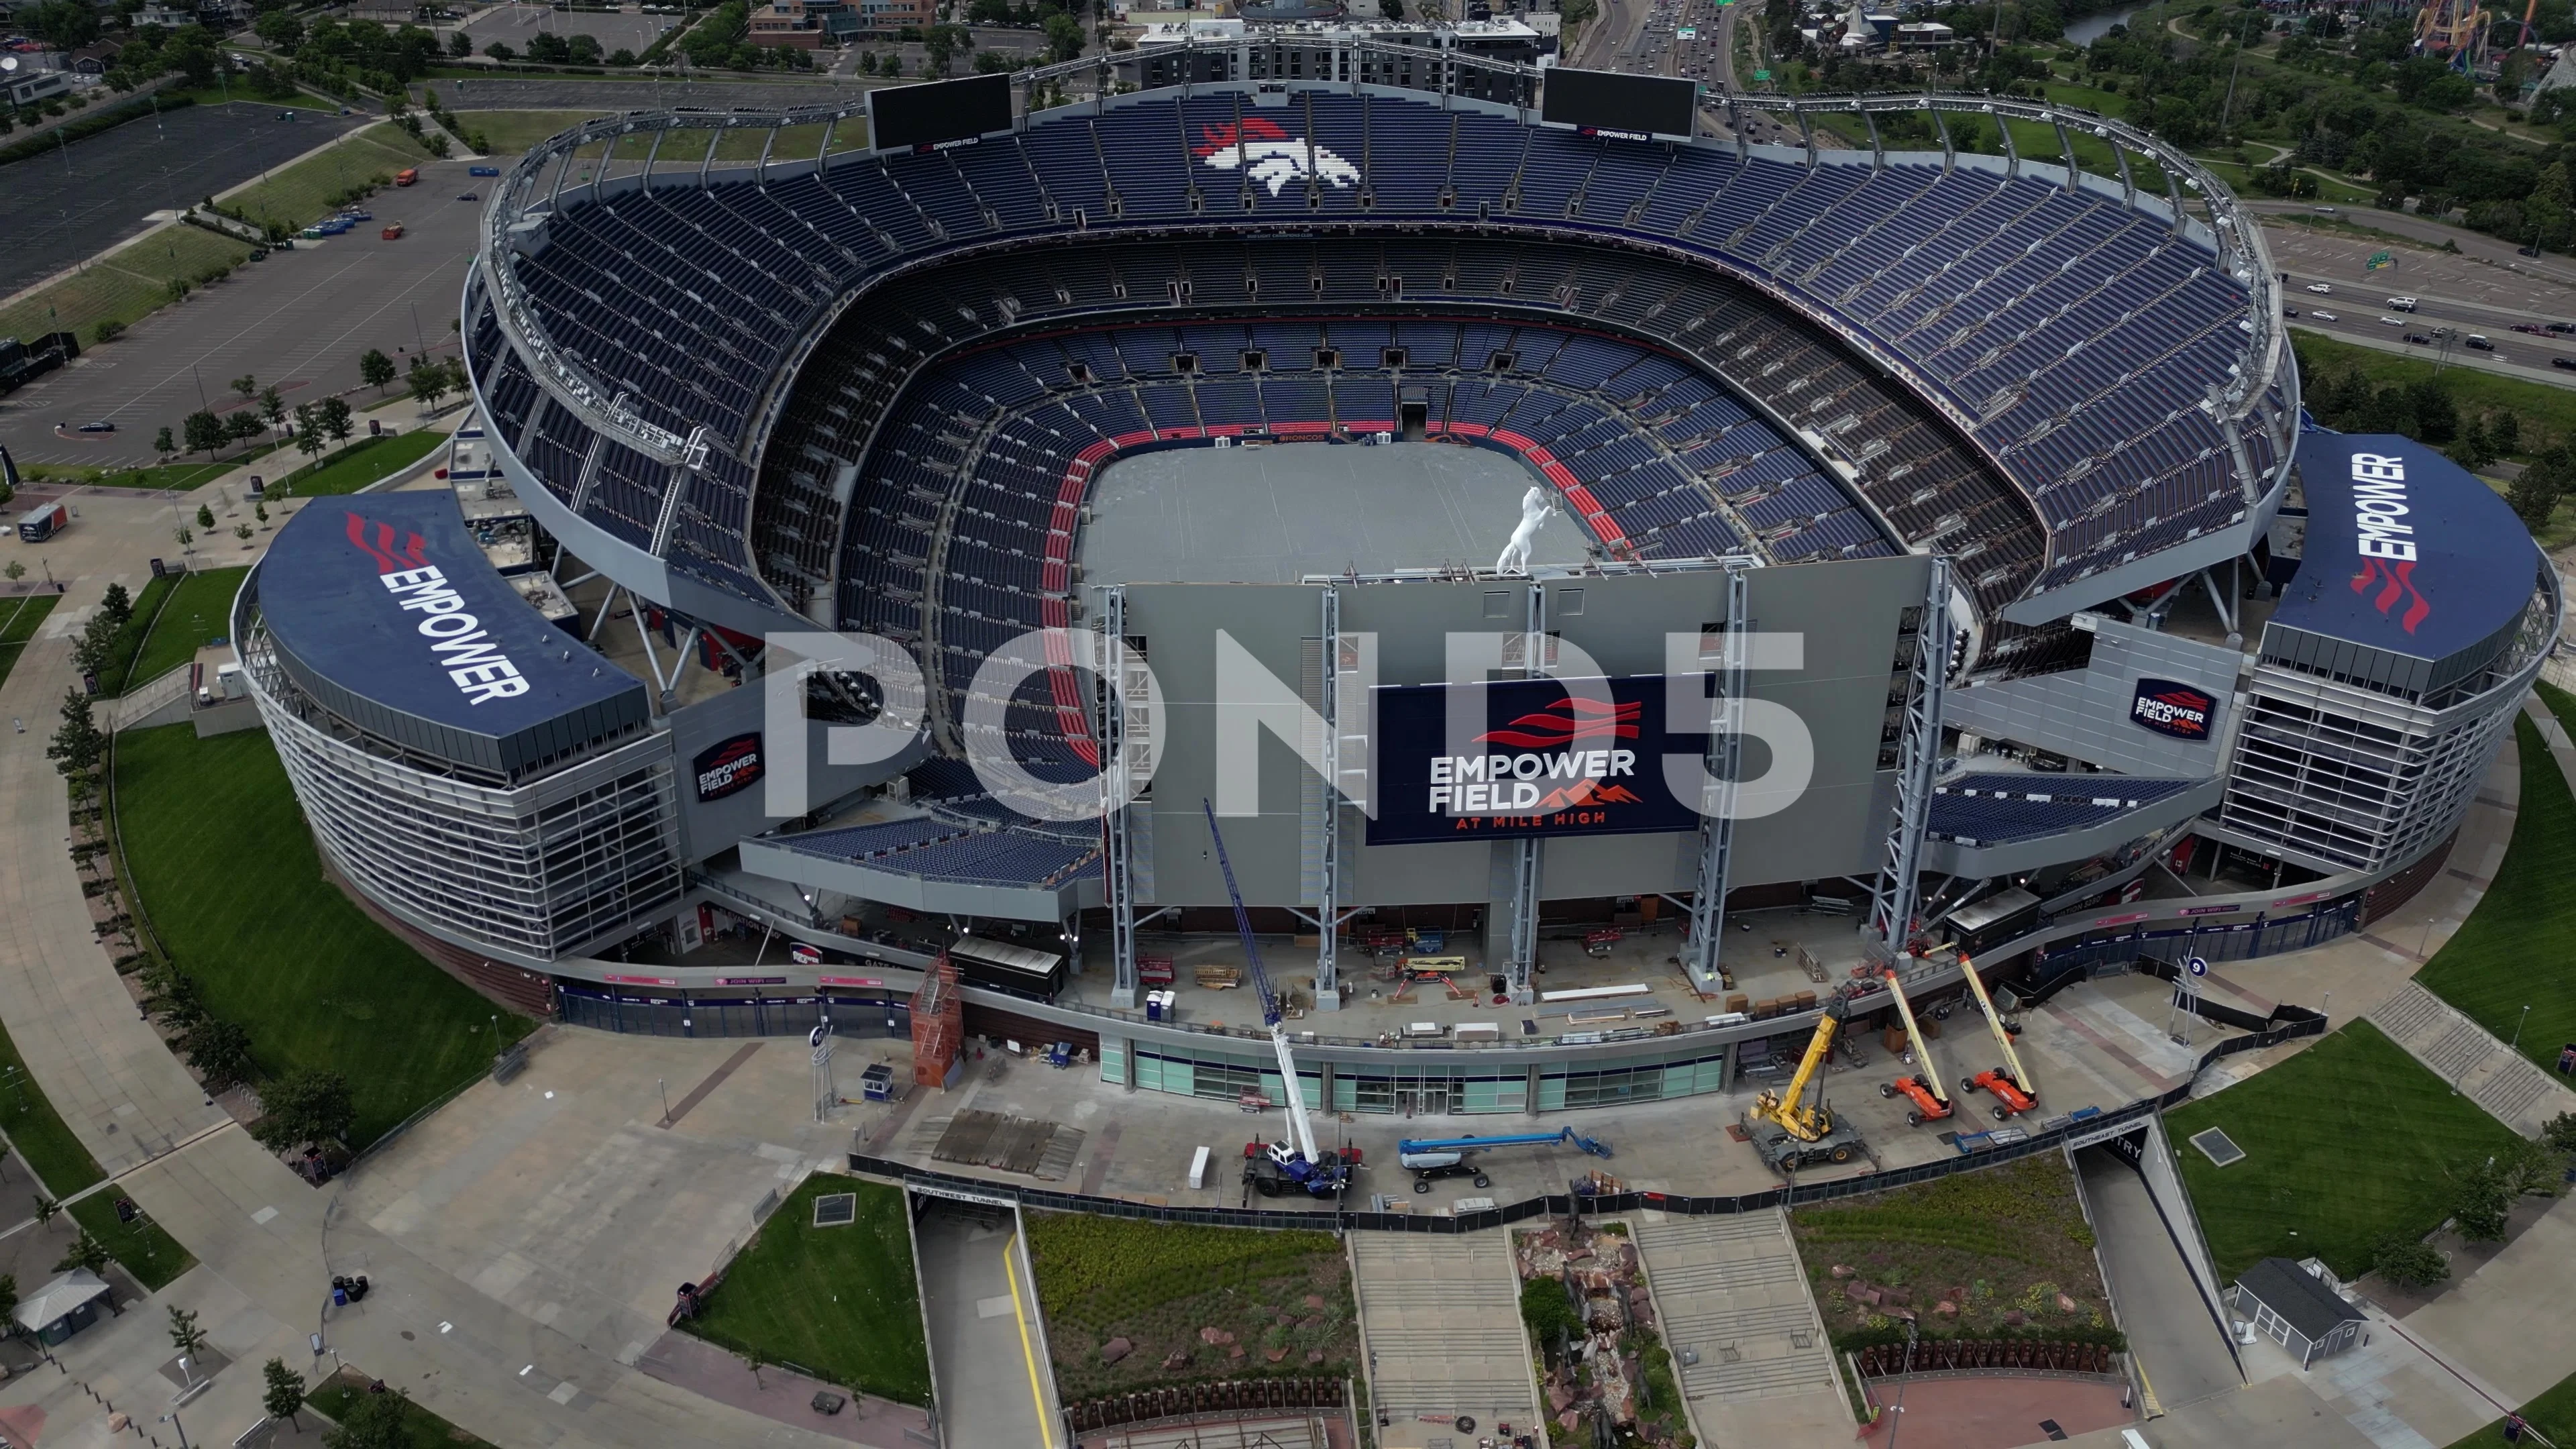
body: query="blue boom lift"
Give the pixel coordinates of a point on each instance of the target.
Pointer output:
(1430, 1157)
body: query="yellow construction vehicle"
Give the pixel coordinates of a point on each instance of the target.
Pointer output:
(1786, 1130)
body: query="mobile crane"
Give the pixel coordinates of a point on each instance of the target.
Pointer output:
(1279, 1168)
(1788, 1132)
(1430, 1157)
(1931, 1103)
(2013, 1090)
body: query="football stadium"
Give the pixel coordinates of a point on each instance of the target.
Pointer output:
(1606, 580)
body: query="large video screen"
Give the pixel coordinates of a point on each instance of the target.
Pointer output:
(1608, 101)
(1530, 757)
(902, 117)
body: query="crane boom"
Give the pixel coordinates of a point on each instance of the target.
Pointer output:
(1930, 1074)
(1995, 1024)
(1790, 1108)
(1301, 1131)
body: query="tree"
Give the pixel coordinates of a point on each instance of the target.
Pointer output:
(337, 419)
(15, 571)
(117, 604)
(2535, 495)
(185, 1335)
(373, 1421)
(242, 532)
(2472, 449)
(246, 385)
(259, 510)
(1064, 36)
(2409, 1262)
(242, 426)
(205, 433)
(285, 1393)
(205, 516)
(2560, 1134)
(307, 1106)
(500, 51)
(758, 1361)
(375, 369)
(87, 1253)
(8, 1295)
(80, 744)
(428, 381)
(164, 444)
(460, 45)
(186, 539)
(220, 1051)
(45, 1209)
(1391, 9)
(95, 649)
(2483, 1202)
(272, 408)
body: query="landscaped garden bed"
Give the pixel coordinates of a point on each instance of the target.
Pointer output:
(2003, 1253)
(1603, 1367)
(1132, 1305)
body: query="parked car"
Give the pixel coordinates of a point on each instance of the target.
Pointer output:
(99, 427)
(2321, 289)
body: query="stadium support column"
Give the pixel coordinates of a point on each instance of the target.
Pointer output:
(1117, 844)
(1918, 755)
(1521, 958)
(1328, 892)
(1723, 761)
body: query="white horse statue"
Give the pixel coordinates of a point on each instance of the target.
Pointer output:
(1516, 554)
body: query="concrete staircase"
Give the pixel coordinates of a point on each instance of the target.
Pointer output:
(1440, 1317)
(1730, 1290)
(2508, 1085)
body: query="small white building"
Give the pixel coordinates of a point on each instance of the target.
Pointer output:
(2296, 1309)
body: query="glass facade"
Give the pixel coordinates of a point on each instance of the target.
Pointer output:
(1427, 1089)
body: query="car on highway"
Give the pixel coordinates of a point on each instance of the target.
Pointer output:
(2534, 328)
(2560, 326)
(2394, 321)
(2419, 339)
(2568, 363)
(99, 427)
(469, 196)
(2289, 311)
(2324, 317)
(2321, 289)
(2478, 344)
(2402, 304)
(482, 170)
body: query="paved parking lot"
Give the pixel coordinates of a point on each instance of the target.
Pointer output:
(298, 321)
(97, 192)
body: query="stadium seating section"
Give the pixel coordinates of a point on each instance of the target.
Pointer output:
(2002, 809)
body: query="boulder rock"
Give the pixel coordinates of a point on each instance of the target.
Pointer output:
(1275, 1355)
(1234, 1351)
(1115, 1349)
(1176, 1360)
(1314, 1355)
(1314, 1300)
(2013, 1318)
(1946, 1309)
(1843, 1270)
(1857, 1291)
(2066, 1304)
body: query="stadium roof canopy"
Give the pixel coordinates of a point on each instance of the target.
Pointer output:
(2406, 551)
(388, 613)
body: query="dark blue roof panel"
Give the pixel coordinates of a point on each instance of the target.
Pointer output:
(387, 611)
(2406, 551)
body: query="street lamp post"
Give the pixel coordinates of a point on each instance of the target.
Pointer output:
(172, 1419)
(2516, 1044)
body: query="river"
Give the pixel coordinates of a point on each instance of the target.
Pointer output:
(2091, 27)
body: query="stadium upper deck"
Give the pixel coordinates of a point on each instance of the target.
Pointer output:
(2102, 361)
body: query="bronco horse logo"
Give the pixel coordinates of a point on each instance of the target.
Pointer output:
(1271, 156)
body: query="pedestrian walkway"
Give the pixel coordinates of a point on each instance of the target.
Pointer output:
(1440, 1320)
(2479, 1065)
(1753, 1357)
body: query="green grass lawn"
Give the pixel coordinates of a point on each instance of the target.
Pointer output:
(2552, 1411)
(301, 194)
(180, 477)
(838, 1302)
(363, 462)
(199, 610)
(119, 673)
(230, 879)
(2525, 917)
(46, 1146)
(18, 620)
(511, 132)
(123, 286)
(422, 1429)
(2346, 1143)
